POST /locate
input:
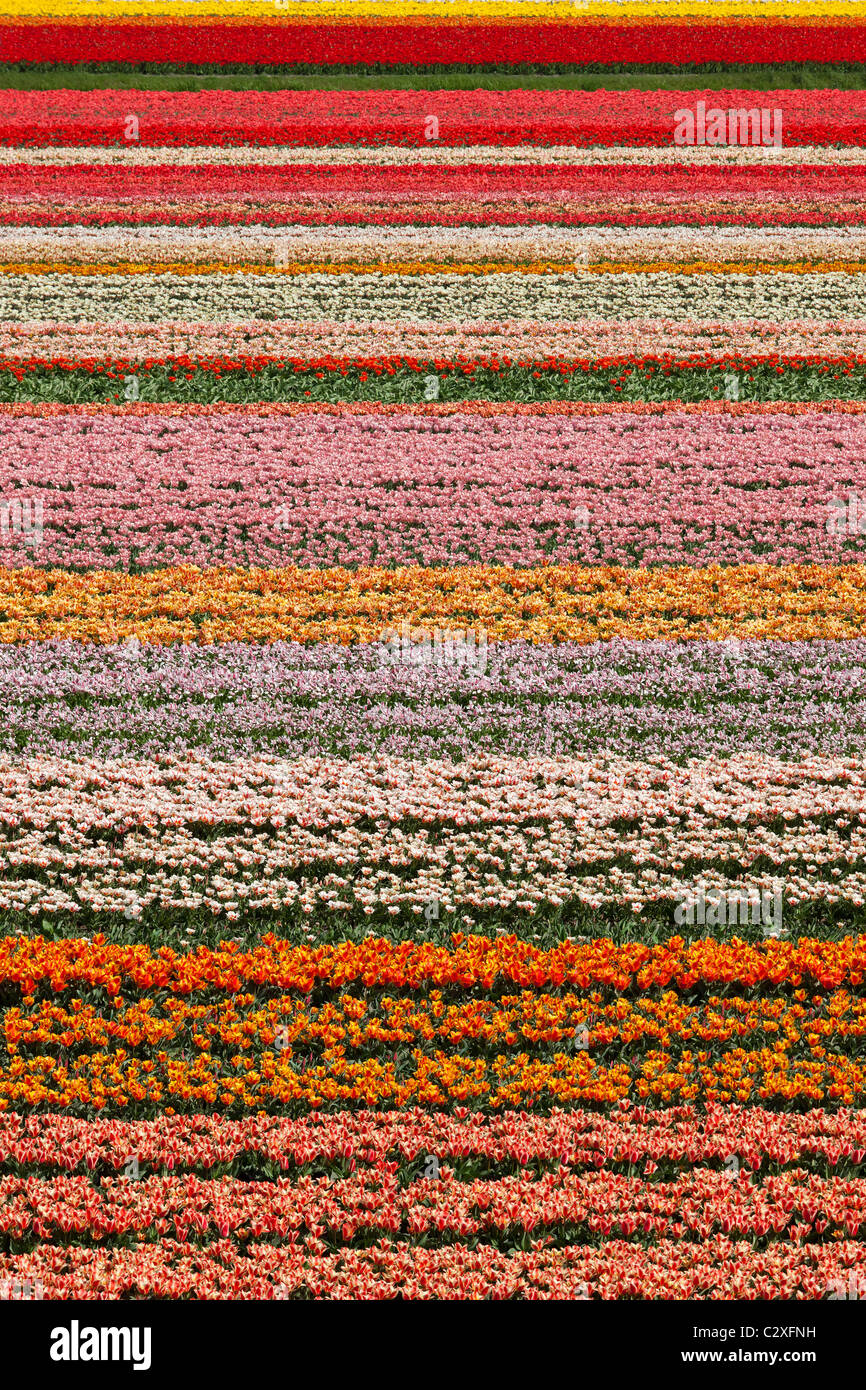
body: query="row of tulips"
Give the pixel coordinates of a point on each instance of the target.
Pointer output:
(660, 207)
(576, 259)
(372, 1023)
(521, 44)
(359, 245)
(365, 11)
(222, 885)
(579, 297)
(35, 183)
(329, 158)
(715, 1268)
(470, 963)
(748, 795)
(558, 1206)
(627, 1138)
(108, 1082)
(551, 603)
(639, 700)
(234, 490)
(490, 11)
(368, 840)
(260, 119)
(389, 1048)
(762, 362)
(158, 411)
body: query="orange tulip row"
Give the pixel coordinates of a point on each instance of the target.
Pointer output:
(548, 604)
(471, 962)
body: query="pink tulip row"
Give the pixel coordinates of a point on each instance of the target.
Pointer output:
(321, 793)
(522, 341)
(233, 489)
(714, 1268)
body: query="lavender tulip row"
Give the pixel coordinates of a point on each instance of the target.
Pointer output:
(636, 699)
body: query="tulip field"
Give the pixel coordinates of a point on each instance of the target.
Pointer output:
(433, 650)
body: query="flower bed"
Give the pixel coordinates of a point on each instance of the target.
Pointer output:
(432, 600)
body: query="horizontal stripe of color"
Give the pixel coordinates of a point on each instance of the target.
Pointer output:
(693, 40)
(634, 699)
(551, 603)
(450, 299)
(402, 117)
(239, 490)
(360, 245)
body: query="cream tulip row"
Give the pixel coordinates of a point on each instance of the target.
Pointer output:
(393, 872)
(183, 156)
(262, 245)
(322, 793)
(495, 834)
(573, 297)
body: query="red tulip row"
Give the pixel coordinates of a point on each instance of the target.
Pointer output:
(112, 366)
(380, 1200)
(328, 183)
(627, 1135)
(518, 117)
(718, 1267)
(424, 44)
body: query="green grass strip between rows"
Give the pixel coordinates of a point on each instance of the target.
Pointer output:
(841, 77)
(275, 383)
